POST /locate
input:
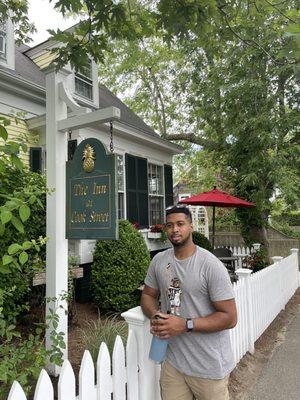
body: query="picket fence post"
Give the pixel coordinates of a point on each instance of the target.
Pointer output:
(244, 273)
(148, 380)
(276, 261)
(295, 252)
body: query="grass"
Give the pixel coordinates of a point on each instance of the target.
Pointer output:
(103, 330)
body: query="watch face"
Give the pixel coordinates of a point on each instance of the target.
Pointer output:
(190, 324)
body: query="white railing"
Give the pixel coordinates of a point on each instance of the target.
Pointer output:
(259, 297)
(241, 252)
(113, 377)
(238, 249)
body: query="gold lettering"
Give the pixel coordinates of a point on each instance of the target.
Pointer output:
(80, 190)
(89, 204)
(78, 217)
(99, 217)
(99, 189)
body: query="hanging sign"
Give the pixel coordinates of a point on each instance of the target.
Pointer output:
(91, 193)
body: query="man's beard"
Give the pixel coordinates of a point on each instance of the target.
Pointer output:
(181, 244)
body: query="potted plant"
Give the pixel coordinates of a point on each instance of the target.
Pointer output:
(157, 232)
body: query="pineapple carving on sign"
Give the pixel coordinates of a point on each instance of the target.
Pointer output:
(91, 193)
(88, 158)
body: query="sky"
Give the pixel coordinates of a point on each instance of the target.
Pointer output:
(42, 14)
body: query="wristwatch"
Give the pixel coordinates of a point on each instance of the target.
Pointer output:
(189, 324)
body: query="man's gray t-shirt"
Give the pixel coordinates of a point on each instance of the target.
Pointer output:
(187, 288)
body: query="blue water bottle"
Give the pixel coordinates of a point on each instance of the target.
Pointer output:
(158, 348)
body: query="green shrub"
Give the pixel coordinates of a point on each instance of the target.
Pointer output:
(258, 260)
(21, 361)
(118, 270)
(285, 228)
(202, 241)
(96, 332)
(17, 280)
(23, 357)
(291, 218)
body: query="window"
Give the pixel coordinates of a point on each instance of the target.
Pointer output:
(120, 183)
(137, 190)
(35, 159)
(84, 82)
(169, 198)
(156, 196)
(2, 41)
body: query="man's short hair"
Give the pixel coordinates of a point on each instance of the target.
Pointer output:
(179, 208)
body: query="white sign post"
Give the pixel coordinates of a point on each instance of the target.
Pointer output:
(57, 124)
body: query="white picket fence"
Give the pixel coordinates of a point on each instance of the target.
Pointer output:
(242, 250)
(130, 375)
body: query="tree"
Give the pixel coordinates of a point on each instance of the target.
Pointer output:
(237, 64)
(238, 98)
(105, 20)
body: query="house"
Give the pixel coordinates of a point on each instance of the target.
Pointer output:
(144, 160)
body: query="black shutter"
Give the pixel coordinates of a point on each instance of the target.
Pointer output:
(72, 144)
(137, 189)
(35, 159)
(168, 185)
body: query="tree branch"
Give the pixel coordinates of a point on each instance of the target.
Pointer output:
(280, 12)
(156, 108)
(193, 138)
(160, 99)
(247, 42)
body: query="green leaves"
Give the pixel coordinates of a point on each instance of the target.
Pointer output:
(23, 257)
(5, 216)
(3, 133)
(17, 224)
(6, 259)
(16, 161)
(24, 212)
(14, 248)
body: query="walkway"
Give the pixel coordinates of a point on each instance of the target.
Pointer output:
(280, 378)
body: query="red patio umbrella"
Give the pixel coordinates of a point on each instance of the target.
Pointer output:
(216, 198)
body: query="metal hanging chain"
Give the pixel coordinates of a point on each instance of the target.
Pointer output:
(111, 146)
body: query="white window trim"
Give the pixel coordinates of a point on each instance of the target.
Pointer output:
(124, 184)
(4, 36)
(156, 195)
(87, 80)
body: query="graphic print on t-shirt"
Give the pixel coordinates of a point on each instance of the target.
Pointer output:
(174, 294)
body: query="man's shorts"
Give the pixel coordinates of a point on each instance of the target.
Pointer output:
(177, 386)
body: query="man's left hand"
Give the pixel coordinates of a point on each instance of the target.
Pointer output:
(167, 326)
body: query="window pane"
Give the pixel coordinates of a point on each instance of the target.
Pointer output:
(155, 179)
(120, 172)
(156, 210)
(84, 88)
(121, 205)
(2, 44)
(86, 71)
(159, 180)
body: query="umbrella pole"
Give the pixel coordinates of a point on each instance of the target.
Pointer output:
(213, 228)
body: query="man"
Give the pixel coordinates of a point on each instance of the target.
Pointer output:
(199, 357)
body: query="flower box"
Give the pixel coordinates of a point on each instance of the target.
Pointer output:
(40, 277)
(154, 235)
